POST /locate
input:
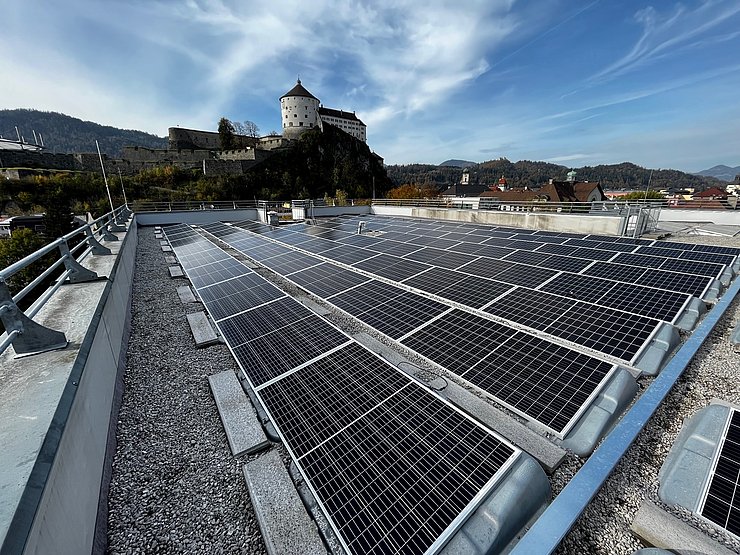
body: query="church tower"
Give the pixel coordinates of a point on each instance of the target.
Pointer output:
(298, 111)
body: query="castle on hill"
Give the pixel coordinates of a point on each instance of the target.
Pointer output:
(193, 149)
(300, 111)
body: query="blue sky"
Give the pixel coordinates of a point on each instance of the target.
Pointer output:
(572, 82)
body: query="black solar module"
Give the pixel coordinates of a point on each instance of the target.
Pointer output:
(410, 463)
(542, 381)
(722, 502)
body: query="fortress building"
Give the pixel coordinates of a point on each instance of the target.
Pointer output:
(301, 111)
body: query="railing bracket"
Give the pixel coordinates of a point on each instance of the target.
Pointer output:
(29, 337)
(76, 273)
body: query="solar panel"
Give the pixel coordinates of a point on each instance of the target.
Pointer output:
(327, 279)
(721, 503)
(542, 381)
(486, 267)
(638, 299)
(534, 309)
(527, 276)
(269, 355)
(392, 465)
(223, 302)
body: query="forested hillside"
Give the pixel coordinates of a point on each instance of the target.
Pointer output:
(64, 133)
(530, 174)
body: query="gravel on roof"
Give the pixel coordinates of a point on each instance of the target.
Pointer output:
(175, 486)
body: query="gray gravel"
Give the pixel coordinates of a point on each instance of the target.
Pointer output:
(175, 486)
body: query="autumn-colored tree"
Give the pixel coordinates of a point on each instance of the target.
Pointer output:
(413, 191)
(642, 195)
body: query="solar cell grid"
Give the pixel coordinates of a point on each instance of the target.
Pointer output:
(474, 291)
(486, 267)
(274, 353)
(490, 251)
(274, 315)
(542, 381)
(458, 340)
(716, 248)
(412, 466)
(565, 263)
(402, 314)
(527, 276)
(575, 286)
(566, 250)
(618, 247)
(604, 329)
(619, 272)
(721, 504)
(434, 279)
(347, 254)
(641, 260)
(717, 258)
(692, 267)
(285, 264)
(394, 248)
(214, 273)
(334, 391)
(534, 309)
(674, 281)
(655, 303)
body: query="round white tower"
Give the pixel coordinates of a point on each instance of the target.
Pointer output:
(299, 111)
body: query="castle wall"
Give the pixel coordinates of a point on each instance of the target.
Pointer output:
(192, 139)
(34, 159)
(299, 114)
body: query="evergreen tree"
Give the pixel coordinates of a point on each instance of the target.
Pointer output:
(226, 134)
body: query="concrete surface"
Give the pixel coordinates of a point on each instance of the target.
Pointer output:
(284, 522)
(243, 431)
(656, 527)
(186, 294)
(176, 272)
(203, 332)
(43, 418)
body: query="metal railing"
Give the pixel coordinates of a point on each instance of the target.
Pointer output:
(166, 206)
(27, 336)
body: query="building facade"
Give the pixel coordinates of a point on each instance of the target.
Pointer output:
(300, 111)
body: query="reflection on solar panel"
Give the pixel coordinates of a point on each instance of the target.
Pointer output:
(721, 504)
(410, 464)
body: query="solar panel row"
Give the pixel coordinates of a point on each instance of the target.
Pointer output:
(394, 467)
(621, 336)
(552, 389)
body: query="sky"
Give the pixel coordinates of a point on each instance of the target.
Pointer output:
(572, 82)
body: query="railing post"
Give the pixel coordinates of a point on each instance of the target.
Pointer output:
(77, 272)
(28, 337)
(97, 248)
(113, 226)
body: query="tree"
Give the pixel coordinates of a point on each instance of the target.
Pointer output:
(247, 128)
(641, 195)
(58, 220)
(19, 245)
(226, 134)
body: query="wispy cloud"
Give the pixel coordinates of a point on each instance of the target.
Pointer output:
(661, 33)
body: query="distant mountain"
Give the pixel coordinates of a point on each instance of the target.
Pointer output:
(526, 173)
(725, 173)
(64, 133)
(458, 163)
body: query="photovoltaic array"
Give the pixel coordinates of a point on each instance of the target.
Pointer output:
(552, 388)
(395, 468)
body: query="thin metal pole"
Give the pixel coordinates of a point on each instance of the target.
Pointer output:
(105, 178)
(122, 188)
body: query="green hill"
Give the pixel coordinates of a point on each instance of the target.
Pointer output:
(526, 173)
(64, 133)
